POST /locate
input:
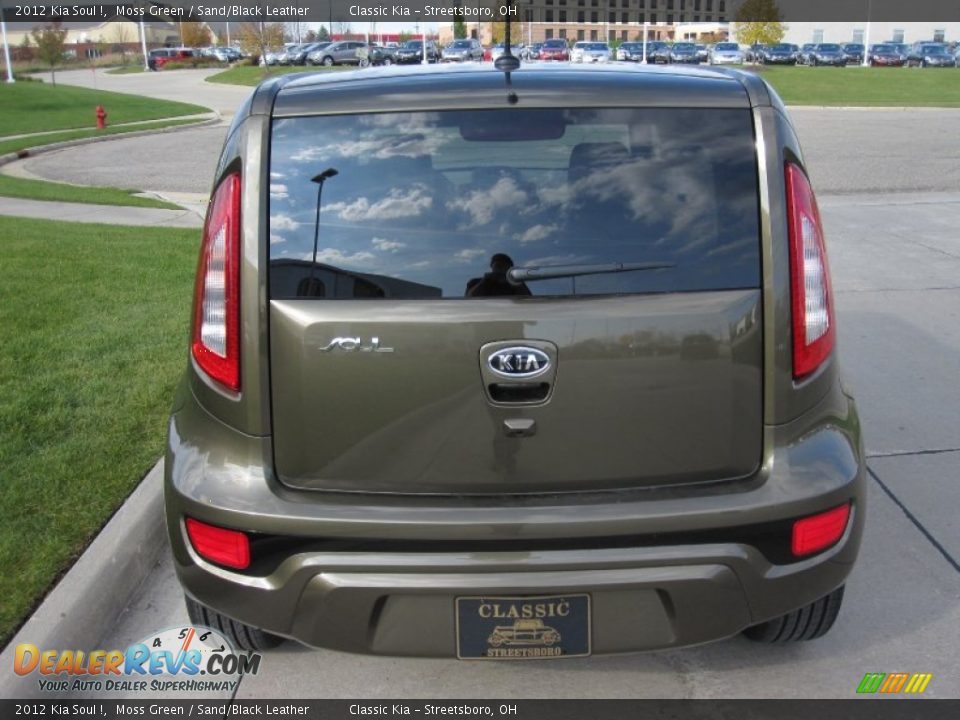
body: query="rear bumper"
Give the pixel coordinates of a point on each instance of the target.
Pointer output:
(402, 603)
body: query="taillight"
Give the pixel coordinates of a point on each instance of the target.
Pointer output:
(216, 300)
(814, 329)
(819, 532)
(220, 545)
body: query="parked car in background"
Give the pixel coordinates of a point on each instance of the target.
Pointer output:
(780, 54)
(590, 52)
(902, 48)
(805, 56)
(853, 52)
(755, 52)
(725, 53)
(343, 52)
(412, 52)
(500, 48)
(298, 55)
(884, 55)
(930, 55)
(462, 51)
(630, 52)
(703, 52)
(398, 445)
(684, 53)
(555, 49)
(531, 51)
(828, 54)
(382, 55)
(156, 59)
(658, 52)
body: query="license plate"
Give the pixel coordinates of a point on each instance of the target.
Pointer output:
(523, 628)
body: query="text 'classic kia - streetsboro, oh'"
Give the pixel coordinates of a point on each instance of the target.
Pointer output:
(535, 363)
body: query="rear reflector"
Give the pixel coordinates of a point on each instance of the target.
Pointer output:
(818, 532)
(230, 548)
(811, 296)
(216, 301)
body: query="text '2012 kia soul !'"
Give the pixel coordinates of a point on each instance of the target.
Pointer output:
(495, 366)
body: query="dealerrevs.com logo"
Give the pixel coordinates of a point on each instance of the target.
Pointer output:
(183, 659)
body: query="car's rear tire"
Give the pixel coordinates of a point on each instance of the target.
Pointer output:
(240, 635)
(807, 623)
(328, 61)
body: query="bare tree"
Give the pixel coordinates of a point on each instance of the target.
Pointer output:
(121, 37)
(196, 34)
(256, 38)
(50, 40)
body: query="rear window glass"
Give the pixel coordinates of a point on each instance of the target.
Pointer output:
(439, 204)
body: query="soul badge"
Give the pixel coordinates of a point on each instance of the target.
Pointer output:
(523, 628)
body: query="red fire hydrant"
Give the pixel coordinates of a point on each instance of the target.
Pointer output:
(101, 117)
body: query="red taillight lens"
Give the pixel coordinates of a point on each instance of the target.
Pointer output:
(216, 301)
(224, 547)
(814, 329)
(818, 532)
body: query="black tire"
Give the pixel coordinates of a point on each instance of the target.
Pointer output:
(807, 623)
(387, 61)
(327, 61)
(241, 636)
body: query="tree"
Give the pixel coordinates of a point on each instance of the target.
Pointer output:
(322, 34)
(341, 29)
(311, 36)
(404, 36)
(459, 26)
(196, 34)
(759, 21)
(50, 40)
(256, 38)
(121, 36)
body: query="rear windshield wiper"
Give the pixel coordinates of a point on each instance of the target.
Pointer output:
(519, 275)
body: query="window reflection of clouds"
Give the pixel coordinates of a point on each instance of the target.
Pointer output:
(415, 200)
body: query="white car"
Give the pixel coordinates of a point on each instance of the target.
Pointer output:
(590, 52)
(726, 53)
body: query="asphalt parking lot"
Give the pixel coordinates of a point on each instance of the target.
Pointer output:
(887, 183)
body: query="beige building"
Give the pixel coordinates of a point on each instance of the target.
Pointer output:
(110, 32)
(610, 20)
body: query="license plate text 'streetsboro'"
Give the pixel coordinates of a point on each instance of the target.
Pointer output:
(523, 628)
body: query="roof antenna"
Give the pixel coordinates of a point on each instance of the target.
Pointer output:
(508, 61)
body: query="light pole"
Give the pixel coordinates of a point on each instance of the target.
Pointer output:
(644, 42)
(6, 49)
(143, 45)
(866, 38)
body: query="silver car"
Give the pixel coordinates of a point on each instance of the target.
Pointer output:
(343, 52)
(590, 52)
(462, 50)
(726, 53)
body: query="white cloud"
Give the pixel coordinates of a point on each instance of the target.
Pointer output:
(385, 245)
(469, 254)
(484, 204)
(278, 191)
(397, 204)
(334, 256)
(277, 239)
(283, 222)
(537, 232)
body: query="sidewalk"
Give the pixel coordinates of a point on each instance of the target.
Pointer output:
(105, 214)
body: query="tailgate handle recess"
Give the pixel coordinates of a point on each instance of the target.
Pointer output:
(515, 392)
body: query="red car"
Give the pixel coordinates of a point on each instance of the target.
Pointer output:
(555, 50)
(160, 57)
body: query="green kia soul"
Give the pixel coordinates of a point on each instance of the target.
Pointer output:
(495, 365)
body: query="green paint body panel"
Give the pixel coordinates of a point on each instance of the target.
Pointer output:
(391, 477)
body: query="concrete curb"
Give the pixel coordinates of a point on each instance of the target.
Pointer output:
(41, 149)
(87, 601)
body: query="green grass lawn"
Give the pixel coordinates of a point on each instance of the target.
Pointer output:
(254, 75)
(8, 146)
(43, 190)
(35, 107)
(907, 87)
(95, 323)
